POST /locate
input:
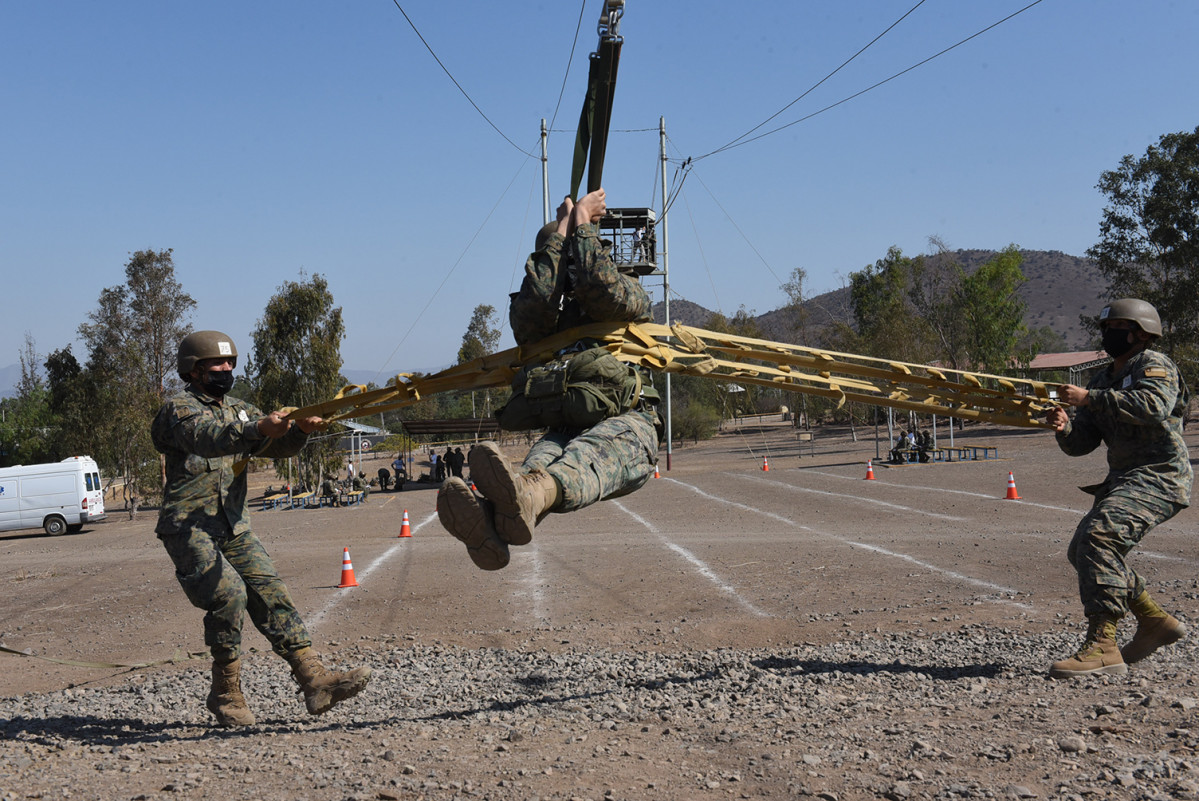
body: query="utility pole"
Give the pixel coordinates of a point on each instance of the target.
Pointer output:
(665, 277)
(545, 174)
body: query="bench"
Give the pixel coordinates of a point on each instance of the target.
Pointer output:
(351, 498)
(976, 452)
(300, 499)
(912, 456)
(271, 501)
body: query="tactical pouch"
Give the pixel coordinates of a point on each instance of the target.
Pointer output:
(575, 391)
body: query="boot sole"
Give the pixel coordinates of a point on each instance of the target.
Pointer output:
(463, 515)
(339, 694)
(491, 473)
(1107, 670)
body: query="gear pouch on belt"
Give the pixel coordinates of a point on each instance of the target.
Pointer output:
(575, 391)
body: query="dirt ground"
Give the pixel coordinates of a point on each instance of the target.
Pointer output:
(716, 555)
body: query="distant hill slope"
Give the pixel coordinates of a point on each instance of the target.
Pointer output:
(1060, 287)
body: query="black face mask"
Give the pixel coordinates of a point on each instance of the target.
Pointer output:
(1115, 342)
(217, 382)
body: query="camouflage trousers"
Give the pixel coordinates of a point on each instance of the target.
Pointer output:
(228, 576)
(1103, 539)
(612, 458)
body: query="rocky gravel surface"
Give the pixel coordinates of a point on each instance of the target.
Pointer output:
(723, 633)
(966, 712)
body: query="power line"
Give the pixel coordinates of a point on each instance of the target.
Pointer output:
(873, 86)
(816, 85)
(455, 82)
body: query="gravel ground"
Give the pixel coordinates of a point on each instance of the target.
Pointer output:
(723, 633)
(963, 713)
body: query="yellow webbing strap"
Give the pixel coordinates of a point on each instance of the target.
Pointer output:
(727, 357)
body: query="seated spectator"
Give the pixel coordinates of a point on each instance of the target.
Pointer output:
(924, 445)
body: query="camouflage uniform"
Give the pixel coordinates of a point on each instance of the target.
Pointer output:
(571, 282)
(1138, 414)
(205, 524)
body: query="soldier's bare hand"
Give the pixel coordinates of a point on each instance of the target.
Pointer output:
(565, 209)
(591, 207)
(1075, 396)
(310, 424)
(1057, 418)
(274, 425)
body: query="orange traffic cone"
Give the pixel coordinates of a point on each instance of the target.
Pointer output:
(405, 531)
(869, 470)
(1011, 489)
(347, 571)
(765, 465)
(656, 473)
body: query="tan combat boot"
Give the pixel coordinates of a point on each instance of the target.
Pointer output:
(521, 500)
(1155, 627)
(225, 700)
(1099, 653)
(322, 688)
(469, 519)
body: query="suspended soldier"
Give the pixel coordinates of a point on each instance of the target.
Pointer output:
(1135, 406)
(601, 442)
(205, 527)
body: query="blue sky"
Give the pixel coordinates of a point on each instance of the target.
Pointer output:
(262, 140)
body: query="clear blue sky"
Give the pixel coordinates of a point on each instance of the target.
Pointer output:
(261, 140)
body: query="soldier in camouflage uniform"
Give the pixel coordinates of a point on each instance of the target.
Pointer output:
(1135, 406)
(205, 527)
(570, 280)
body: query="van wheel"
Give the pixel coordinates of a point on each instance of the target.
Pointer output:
(54, 525)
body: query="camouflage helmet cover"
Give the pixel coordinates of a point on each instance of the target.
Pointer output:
(1138, 311)
(204, 345)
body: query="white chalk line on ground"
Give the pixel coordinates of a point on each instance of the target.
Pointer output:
(858, 498)
(1078, 512)
(398, 547)
(531, 580)
(874, 548)
(700, 566)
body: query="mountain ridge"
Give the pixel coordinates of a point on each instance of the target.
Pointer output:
(1057, 290)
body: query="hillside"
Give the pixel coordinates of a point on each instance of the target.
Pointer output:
(1060, 287)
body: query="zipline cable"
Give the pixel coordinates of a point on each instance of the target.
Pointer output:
(455, 81)
(873, 86)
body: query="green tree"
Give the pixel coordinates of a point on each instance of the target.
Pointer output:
(992, 311)
(888, 326)
(297, 362)
(159, 310)
(26, 423)
(482, 338)
(69, 401)
(1149, 238)
(132, 339)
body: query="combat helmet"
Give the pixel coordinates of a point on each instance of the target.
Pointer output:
(543, 235)
(1136, 310)
(204, 345)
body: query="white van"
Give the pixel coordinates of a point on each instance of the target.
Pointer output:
(59, 496)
